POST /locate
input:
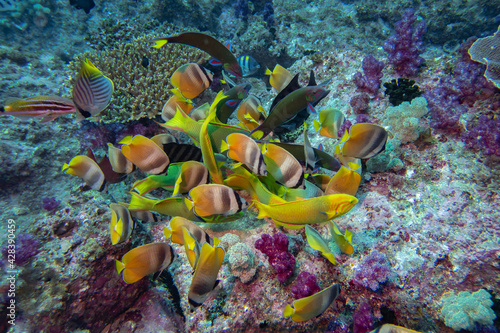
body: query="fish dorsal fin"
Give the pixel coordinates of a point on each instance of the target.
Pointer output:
(292, 86)
(312, 79)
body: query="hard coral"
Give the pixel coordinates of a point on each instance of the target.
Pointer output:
(372, 271)
(276, 248)
(405, 46)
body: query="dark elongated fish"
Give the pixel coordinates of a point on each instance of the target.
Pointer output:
(208, 44)
(46, 107)
(228, 104)
(179, 152)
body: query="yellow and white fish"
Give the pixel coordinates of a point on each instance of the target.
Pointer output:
(87, 169)
(312, 306)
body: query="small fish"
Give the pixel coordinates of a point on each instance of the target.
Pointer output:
(321, 180)
(330, 122)
(176, 235)
(296, 214)
(205, 274)
(207, 151)
(176, 101)
(228, 103)
(364, 140)
(344, 241)
(191, 246)
(344, 181)
(213, 199)
(93, 91)
(144, 260)
(87, 169)
(121, 225)
(309, 153)
(180, 152)
(242, 148)
(310, 191)
(283, 166)
(200, 112)
(191, 79)
(248, 64)
(163, 139)
(145, 154)
(119, 162)
(208, 44)
(312, 306)
(317, 242)
(250, 112)
(46, 107)
(86, 5)
(325, 160)
(174, 206)
(279, 77)
(390, 328)
(192, 174)
(153, 182)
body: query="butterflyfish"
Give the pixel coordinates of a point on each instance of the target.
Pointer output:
(93, 91)
(283, 166)
(145, 154)
(248, 64)
(205, 274)
(310, 191)
(321, 180)
(144, 260)
(87, 169)
(200, 112)
(181, 152)
(176, 101)
(119, 163)
(279, 77)
(317, 242)
(104, 164)
(191, 79)
(176, 236)
(47, 108)
(325, 160)
(296, 214)
(208, 44)
(192, 174)
(174, 206)
(312, 306)
(230, 100)
(301, 99)
(344, 241)
(191, 246)
(250, 112)
(244, 149)
(163, 139)
(213, 199)
(121, 225)
(330, 122)
(364, 140)
(344, 181)
(390, 328)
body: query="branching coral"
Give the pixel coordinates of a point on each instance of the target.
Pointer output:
(140, 74)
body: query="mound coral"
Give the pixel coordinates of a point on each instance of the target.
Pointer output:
(405, 120)
(140, 75)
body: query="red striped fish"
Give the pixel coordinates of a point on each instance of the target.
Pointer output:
(46, 107)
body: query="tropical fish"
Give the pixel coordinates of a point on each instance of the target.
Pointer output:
(283, 166)
(364, 140)
(182, 152)
(344, 241)
(279, 77)
(317, 242)
(242, 148)
(200, 112)
(290, 106)
(145, 154)
(46, 107)
(309, 153)
(121, 225)
(330, 122)
(207, 151)
(390, 328)
(153, 182)
(325, 160)
(191, 79)
(87, 169)
(312, 306)
(174, 206)
(344, 181)
(144, 260)
(176, 235)
(118, 161)
(92, 91)
(213, 199)
(321, 180)
(104, 164)
(227, 103)
(192, 174)
(208, 44)
(205, 274)
(163, 139)
(248, 64)
(297, 214)
(176, 101)
(310, 191)
(250, 112)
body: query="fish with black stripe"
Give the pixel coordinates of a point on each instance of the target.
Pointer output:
(46, 107)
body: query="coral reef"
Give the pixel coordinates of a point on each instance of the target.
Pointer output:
(242, 262)
(369, 80)
(401, 90)
(406, 120)
(276, 249)
(305, 285)
(372, 271)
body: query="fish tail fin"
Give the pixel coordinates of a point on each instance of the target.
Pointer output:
(317, 125)
(261, 207)
(288, 311)
(159, 42)
(65, 167)
(167, 232)
(188, 203)
(119, 266)
(268, 71)
(138, 202)
(224, 146)
(330, 257)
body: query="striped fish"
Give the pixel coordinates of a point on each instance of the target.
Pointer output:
(283, 166)
(92, 91)
(212, 199)
(248, 64)
(243, 149)
(180, 152)
(46, 107)
(86, 168)
(191, 79)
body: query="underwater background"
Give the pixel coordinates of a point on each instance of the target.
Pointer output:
(425, 229)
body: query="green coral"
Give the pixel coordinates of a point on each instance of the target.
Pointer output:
(463, 310)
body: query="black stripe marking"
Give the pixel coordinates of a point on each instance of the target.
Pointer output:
(238, 200)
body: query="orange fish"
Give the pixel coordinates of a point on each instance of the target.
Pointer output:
(46, 107)
(177, 101)
(242, 148)
(191, 80)
(145, 154)
(213, 199)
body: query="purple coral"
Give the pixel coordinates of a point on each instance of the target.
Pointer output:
(27, 246)
(276, 248)
(405, 46)
(372, 271)
(305, 285)
(370, 81)
(359, 103)
(363, 318)
(50, 204)
(485, 136)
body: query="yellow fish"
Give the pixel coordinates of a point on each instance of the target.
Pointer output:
(214, 199)
(250, 112)
(244, 149)
(152, 182)
(145, 154)
(191, 79)
(312, 306)
(344, 242)
(205, 274)
(144, 260)
(390, 328)
(283, 166)
(176, 101)
(87, 169)
(200, 112)
(344, 181)
(330, 122)
(176, 235)
(191, 246)
(121, 225)
(364, 140)
(279, 78)
(317, 242)
(207, 151)
(174, 206)
(192, 174)
(297, 214)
